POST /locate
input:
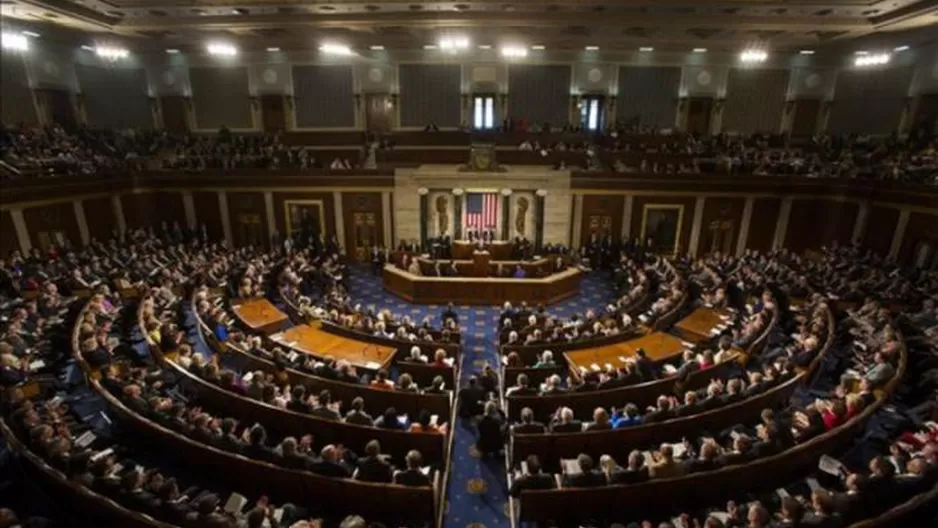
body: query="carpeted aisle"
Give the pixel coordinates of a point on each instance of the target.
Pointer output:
(477, 494)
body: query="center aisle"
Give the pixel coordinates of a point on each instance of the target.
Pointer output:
(477, 494)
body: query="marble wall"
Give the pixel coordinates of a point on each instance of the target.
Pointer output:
(524, 181)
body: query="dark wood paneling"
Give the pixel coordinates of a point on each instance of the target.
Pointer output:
(720, 226)
(273, 113)
(598, 209)
(880, 228)
(174, 109)
(762, 225)
(99, 216)
(207, 212)
(248, 218)
(804, 122)
(8, 239)
(280, 210)
(143, 210)
(921, 227)
(50, 219)
(638, 206)
(362, 203)
(816, 223)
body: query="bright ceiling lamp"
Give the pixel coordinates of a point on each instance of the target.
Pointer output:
(15, 42)
(220, 49)
(876, 59)
(454, 44)
(514, 52)
(336, 49)
(111, 53)
(753, 56)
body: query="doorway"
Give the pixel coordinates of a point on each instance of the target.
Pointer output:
(272, 113)
(59, 108)
(593, 112)
(804, 122)
(483, 111)
(174, 114)
(699, 111)
(378, 111)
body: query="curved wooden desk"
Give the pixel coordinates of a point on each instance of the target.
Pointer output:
(483, 290)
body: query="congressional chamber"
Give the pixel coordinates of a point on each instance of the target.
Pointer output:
(469, 265)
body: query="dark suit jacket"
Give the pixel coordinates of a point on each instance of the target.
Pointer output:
(359, 418)
(297, 461)
(299, 406)
(572, 427)
(329, 469)
(531, 428)
(325, 412)
(538, 481)
(592, 479)
(411, 477)
(626, 476)
(373, 469)
(657, 416)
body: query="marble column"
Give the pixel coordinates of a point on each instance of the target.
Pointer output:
(781, 227)
(899, 233)
(225, 219)
(119, 219)
(188, 205)
(386, 218)
(744, 226)
(339, 218)
(577, 220)
(696, 226)
(269, 211)
(859, 227)
(81, 222)
(22, 233)
(627, 216)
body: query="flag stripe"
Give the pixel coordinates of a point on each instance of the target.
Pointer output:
(481, 211)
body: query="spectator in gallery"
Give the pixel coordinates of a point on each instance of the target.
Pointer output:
(520, 273)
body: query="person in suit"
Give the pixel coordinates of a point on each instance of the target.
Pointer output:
(636, 471)
(412, 476)
(491, 430)
(134, 495)
(291, 457)
(324, 409)
(564, 422)
(470, 398)
(330, 463)
(449, 314)
(357, 414)
(534, 479)
(664, 465)
(587, 477)
(522, 388)
(372, 467)
(527, 424)
(822, 514)
(661, 412)
(645, 366)
(298, 401)
(257, 447)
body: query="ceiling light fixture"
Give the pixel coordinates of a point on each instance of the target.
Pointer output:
(806, 52)
(429, 46)
(336, 49)
(221, 49)
(109, 53)
(30, 34)
(751, 56)
(861, 52)
(538, 47)
(485, 46)
(646, 49)
(172, 51)
(591, 48)
(273, 49)
(87, 48)
(871, 60)
(897, 50)
(514, 52)
(14, 42)
(454, 44)
(700, 50)
(376, 48)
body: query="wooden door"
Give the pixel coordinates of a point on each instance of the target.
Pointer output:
(273, 113)
(926, 115)
(804, 122)
(249, 230)
(698, 115)
(596, 227)
(364, 235)
(174, 114)
(378, 108)
(59, 107)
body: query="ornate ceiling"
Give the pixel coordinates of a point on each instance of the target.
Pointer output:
(614, 25)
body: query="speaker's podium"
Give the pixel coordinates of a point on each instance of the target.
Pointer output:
(480, 263)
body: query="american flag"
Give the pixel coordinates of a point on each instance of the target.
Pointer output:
(481, 210)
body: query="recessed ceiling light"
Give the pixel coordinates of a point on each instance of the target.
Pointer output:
(485, 46)
(172, 51)
(592, 48)
(700, 50)
(538, 47)
(335, 49)
(376, 48)
(87, 48)
(273, 49)
(646, 49)
(806, 52)
(429, 46)
(861, 52)
(900, 48)
(35, 35)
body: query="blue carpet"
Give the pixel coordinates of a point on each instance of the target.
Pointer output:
(477, 494)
